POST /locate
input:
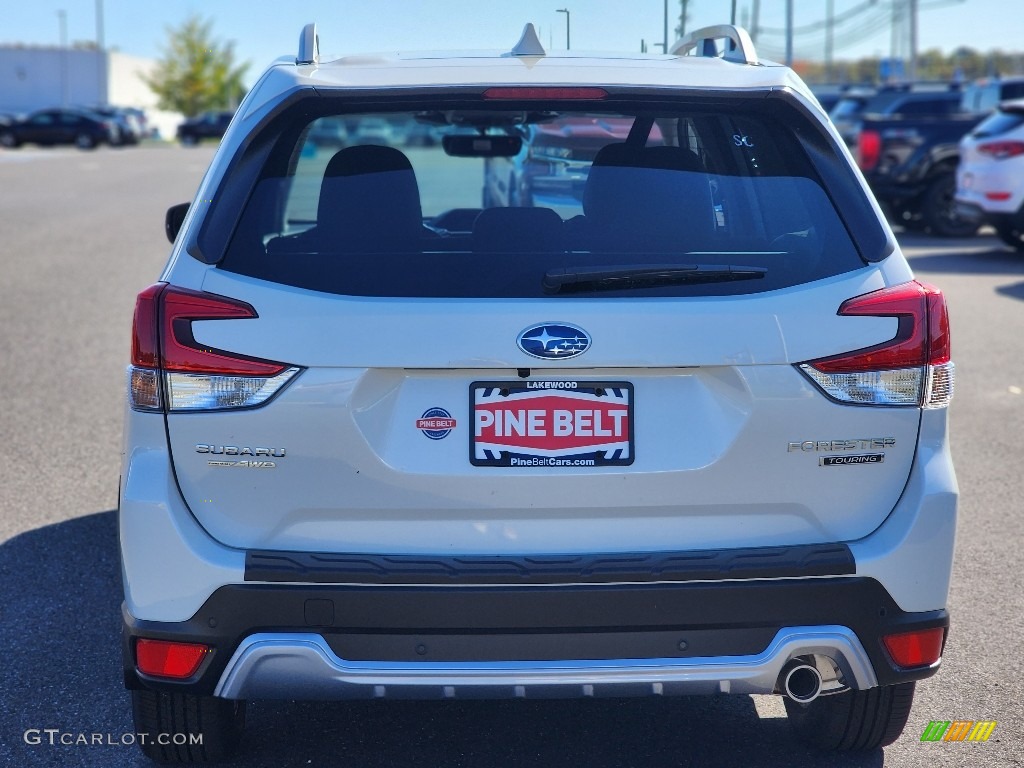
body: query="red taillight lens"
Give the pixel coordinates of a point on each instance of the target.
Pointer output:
(922, 337)
(915, 649)
(161, 658)
(869, 149)
(939, 345)
(145, 335)
(997, 196)
(549, 93)
(1001, 150)
(181, 352)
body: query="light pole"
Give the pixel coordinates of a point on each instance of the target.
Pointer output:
(566, 12)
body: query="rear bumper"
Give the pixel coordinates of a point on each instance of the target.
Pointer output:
(969, 212)
(304, 665)
(313, 641)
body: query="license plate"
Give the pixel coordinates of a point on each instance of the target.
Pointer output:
(551, 423)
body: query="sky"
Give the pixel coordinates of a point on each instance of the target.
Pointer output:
(265, 29)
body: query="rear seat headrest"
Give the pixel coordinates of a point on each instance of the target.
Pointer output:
(517, 229)
(369, 200)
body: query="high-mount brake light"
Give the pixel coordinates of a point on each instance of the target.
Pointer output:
(169, 364)
(912, 368)
(548, 93)
(162, 658)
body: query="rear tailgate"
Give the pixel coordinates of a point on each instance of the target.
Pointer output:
(398, 436)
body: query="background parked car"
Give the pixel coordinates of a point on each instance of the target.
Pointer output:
(208, 125)
(990, 177)
(910, 160)
(910, 100)
(327, 132)
(127, 123)
(61, 126)
(552, 167)
(373, 131)
(850, 107)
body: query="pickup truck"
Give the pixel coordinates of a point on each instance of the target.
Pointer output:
(910, 161)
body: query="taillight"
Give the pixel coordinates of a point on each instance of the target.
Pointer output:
(869, 149)
(1001, 150)
(161, 658)
(922, 648)
(912, 368)
(168, 362)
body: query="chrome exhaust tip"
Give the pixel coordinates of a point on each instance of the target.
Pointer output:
(801, 681)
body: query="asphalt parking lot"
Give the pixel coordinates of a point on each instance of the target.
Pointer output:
(82, 232)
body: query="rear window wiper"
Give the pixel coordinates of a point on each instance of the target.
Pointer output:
(629, 277)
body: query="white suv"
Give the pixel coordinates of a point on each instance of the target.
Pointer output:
(382, 441)
(990, 176)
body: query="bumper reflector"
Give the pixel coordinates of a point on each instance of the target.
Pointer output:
(161, 658)
(915, 649)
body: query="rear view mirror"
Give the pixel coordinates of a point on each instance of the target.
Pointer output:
(481, 146)
(174, 219)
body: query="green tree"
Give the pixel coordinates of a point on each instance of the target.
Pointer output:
(197, 72)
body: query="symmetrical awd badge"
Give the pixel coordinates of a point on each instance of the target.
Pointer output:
(554, 341)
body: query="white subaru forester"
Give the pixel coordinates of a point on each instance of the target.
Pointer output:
(655, 408)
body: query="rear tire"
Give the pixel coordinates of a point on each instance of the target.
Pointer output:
(85, 141)
(855, 720)
(217, 725)
(1012, 235)
(939, 209)
(7, 139)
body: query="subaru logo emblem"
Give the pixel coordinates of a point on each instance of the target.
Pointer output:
(554, 341)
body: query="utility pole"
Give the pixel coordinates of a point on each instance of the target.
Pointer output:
(732, 17)
(913, 39)
(829, 30)
(755, 19)
(894, 37)
(566, 12)
(682, 18)
(62, 18)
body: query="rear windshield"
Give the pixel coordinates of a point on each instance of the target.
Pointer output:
(527, 201)
(1000, 122)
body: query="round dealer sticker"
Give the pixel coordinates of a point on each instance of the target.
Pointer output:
(435, 423)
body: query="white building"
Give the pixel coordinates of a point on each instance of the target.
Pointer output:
(37, 77)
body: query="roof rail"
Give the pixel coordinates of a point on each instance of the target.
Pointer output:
(529, 44)
(740, 48)
(309, 46)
